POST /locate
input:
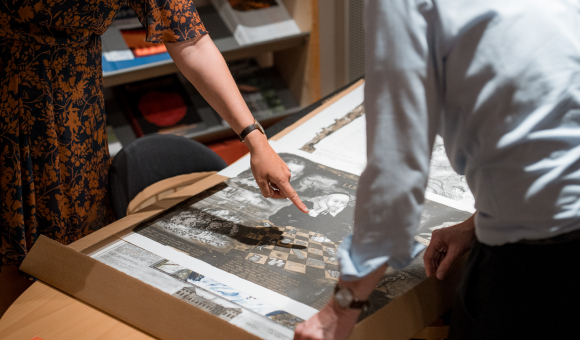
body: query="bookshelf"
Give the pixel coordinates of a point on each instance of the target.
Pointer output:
(295, 57)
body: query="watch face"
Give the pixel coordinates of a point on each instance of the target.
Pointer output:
(260, 127)
(343, 297)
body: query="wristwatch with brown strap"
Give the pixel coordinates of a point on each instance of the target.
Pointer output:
(346, 299)
(251, 128)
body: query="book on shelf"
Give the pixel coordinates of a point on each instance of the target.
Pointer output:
(135, 40)
(254, 21)
(263, 90)
(159, 105)
(124, 44)
(259, 87)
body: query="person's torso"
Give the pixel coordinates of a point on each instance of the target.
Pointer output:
(56, 22)
(510, 74)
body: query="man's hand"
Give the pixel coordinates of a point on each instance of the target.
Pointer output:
(447, 245)
(270, 171)
(331, 323)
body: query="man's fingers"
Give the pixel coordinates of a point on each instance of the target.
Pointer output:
(429, 258)
(447, 262)
(287, 190)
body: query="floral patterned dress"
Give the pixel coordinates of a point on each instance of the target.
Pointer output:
(54, 157)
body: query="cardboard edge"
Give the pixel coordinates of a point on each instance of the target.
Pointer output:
(146, 213)
(122, 296)
(387, 323)
(317, 110)
(166, 184)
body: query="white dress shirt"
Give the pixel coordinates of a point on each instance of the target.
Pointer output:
(500, 81)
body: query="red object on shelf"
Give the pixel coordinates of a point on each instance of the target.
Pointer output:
(230, 150)
(162, 109)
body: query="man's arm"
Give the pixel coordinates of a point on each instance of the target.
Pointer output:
(447, 245)
(402, 110)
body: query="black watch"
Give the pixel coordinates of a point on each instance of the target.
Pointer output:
(346, 299)
(251, 128)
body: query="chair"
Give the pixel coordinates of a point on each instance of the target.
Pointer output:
(151, 159)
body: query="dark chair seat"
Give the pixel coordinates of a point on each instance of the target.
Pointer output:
(154, 158)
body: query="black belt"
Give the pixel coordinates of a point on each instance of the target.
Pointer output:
(564, 238)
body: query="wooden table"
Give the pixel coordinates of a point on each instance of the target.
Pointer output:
(50, 314)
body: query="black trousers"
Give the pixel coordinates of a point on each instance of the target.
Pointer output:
(520, 291)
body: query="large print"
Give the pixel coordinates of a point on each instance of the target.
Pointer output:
(274, 245)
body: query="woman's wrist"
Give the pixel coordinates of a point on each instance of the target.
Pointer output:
(255, 141)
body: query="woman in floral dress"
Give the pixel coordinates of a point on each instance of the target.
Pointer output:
(54, 157)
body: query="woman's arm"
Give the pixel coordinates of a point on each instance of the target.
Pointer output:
(201, 62)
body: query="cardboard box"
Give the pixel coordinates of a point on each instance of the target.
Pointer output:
(168, 317)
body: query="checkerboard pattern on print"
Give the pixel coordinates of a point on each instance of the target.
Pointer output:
(294, 249)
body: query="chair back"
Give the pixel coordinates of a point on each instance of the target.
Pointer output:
(151, 159)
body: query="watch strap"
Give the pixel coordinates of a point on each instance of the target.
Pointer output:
(356, 303)
(364, 305)
(249, 129)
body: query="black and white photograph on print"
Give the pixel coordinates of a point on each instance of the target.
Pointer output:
(329, 194)
(443, 180)
(436, 216)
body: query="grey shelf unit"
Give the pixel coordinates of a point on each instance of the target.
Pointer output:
(222, 38)
(290, 53)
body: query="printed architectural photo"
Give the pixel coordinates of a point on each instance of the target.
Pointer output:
(248, 313)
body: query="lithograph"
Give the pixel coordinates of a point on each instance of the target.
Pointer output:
(274, 245)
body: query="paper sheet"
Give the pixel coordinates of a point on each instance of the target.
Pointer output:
(335, 137)
(203, 268)
(259, 318)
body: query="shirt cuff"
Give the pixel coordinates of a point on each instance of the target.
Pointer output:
(354, 267)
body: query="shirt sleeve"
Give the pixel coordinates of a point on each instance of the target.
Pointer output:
(168, 20)
(402, 110)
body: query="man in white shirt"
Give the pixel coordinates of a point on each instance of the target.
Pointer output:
(499, 80)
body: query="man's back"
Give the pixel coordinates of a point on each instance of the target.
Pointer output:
(500, 81)
(511, 101)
